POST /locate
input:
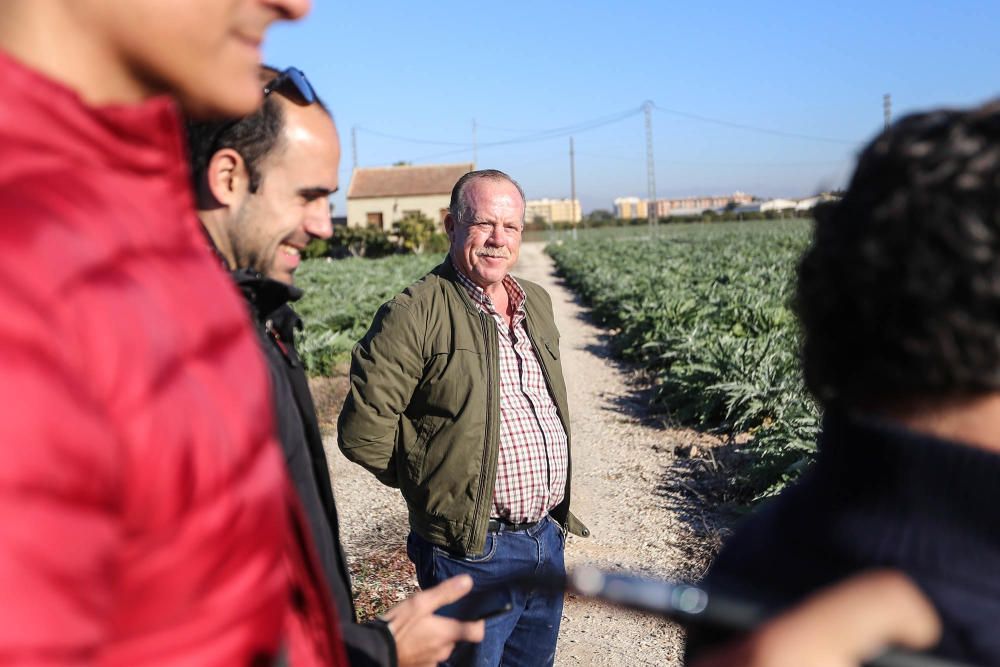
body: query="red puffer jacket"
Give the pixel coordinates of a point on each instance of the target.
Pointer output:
(144, 512)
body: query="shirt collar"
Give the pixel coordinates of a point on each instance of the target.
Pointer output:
(481, 298)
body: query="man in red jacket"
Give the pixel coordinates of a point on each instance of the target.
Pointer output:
(145, 516)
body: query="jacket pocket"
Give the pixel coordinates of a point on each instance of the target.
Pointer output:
(417, 452)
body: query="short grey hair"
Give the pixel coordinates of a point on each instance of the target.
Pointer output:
(459, 207)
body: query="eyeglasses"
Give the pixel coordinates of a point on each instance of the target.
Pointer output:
(293, 84)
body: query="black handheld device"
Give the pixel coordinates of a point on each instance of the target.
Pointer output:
(481, 604)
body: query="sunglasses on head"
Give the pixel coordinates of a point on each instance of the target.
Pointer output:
(293, 84)
(290, 83)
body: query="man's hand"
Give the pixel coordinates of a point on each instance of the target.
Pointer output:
(840, 626)
(424, 639)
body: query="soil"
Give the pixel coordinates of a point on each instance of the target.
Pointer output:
(637, 484)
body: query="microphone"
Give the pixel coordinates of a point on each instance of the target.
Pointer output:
(691, 605)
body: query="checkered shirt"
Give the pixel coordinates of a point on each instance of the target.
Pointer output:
(531, 469)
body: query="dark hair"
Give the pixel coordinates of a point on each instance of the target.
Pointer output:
(458, 207)
(899, 293)
(254, 137)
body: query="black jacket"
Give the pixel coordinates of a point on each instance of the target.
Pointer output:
(880, 496)
(367, 644)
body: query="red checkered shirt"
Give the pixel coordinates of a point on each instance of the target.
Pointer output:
(531, 469)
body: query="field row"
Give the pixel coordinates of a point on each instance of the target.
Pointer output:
(341, 298)
(705, 309)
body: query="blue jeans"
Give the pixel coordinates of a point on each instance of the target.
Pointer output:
(526, 635)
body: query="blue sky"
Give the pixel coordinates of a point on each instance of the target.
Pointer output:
(424, 71)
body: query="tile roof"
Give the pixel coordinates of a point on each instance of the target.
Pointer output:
(408, 180)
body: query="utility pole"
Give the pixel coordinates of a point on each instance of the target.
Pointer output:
(475, 145)
(887, 109)
(354, 145)
(647, 106)
(572, 188)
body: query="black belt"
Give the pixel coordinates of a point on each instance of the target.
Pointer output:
(499, 525)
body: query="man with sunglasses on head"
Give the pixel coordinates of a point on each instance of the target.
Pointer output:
(262, 184)
(145, 516)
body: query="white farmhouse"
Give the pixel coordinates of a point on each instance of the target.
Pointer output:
(777, 205)
(768, 205)
(382, 196)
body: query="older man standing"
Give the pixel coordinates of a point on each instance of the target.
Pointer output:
(457, 397)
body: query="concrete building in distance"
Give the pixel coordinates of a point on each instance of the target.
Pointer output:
(380, 197)
(763, 206)
(552, 210)
(631, 208)
(809, 203)
(697, 205)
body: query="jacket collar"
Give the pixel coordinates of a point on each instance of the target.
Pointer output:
(141, 138)
(269, 299)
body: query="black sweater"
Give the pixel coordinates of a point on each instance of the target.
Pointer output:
(881, 496)
(367, 644)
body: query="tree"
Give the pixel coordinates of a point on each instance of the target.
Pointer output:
(600, 216)
(360, 242)
(416, 232)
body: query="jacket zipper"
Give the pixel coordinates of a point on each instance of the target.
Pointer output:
(486, 446)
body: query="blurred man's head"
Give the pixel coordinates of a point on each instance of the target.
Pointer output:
(484, 224)
(263, 182)
(899, 295)
(204, 52)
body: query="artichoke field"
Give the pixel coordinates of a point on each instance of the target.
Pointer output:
(341, 298)
(705, 309)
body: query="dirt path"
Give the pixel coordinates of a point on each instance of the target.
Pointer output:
(621, 479)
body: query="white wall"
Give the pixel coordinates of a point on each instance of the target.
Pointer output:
(393, 208)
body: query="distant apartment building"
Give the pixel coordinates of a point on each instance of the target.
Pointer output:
(380, 197)
(633, 207)
(630, 208)
(552, 210)
(695, 205)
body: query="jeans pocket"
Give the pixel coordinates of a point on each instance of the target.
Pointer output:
(489, 551)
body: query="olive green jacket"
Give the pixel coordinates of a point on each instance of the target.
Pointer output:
(423, 411)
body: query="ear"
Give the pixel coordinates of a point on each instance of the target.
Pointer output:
(449, 225)
(227, 176)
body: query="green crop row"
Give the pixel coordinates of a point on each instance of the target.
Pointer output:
(705, 309)
(341, 298)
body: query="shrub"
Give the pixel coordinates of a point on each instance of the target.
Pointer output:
(360, 242)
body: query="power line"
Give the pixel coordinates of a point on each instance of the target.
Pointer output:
(520, 130)
(718, 163)
(752, 128)
(412, 140)
(542, 135)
